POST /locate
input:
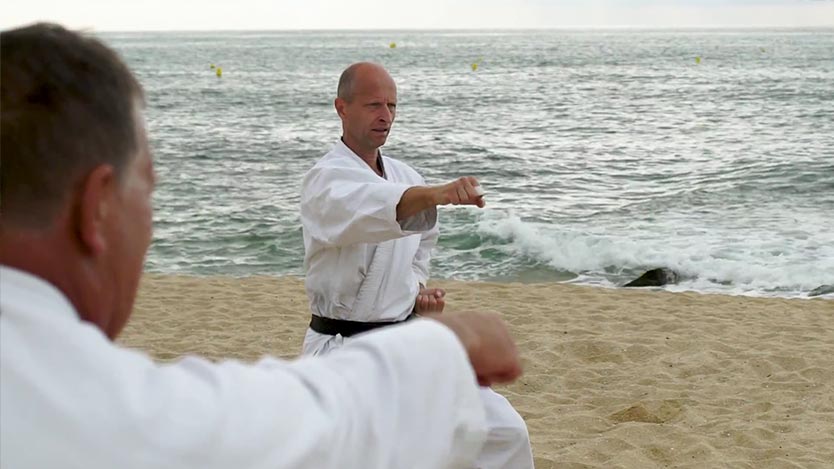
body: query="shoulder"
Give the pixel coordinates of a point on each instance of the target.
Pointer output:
(335, 158)
(403, 170)
(333, 161)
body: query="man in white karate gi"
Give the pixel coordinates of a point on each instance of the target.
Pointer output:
(75, 183)
(369, 224)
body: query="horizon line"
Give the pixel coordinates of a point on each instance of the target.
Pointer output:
(468, 29)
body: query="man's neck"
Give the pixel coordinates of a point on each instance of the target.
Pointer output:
(50, 257)
(370, 157)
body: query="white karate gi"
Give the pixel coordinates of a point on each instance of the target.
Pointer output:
(363, 265)
(70, 398)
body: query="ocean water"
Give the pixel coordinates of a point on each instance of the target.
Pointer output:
(603, 153)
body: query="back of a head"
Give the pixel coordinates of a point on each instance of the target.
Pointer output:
(69, 104)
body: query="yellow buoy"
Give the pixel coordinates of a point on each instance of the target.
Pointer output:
(475, 66)
(212, 66)
(697, 60)
(393, 45)
(219, 72)
(763, 49)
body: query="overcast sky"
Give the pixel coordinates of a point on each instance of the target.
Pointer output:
(143, 15)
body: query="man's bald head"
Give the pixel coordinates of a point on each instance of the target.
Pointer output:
(367, 105)
(357, 74)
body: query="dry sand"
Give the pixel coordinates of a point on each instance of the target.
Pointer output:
(613, 378)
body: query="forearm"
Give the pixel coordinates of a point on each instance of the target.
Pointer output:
(415, 200)
(462, 191)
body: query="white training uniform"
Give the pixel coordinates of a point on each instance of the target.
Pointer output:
(69, 397)
(363, 265)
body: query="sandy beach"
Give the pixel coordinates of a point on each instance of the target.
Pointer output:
(613, 378)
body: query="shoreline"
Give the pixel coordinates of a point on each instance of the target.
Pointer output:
(534, 281)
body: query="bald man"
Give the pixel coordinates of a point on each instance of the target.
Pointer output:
(369, 224)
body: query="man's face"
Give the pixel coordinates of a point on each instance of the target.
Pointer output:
(129, 232)
(368, 116)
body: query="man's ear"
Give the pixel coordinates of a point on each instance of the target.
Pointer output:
(96, 198)
(340, 105)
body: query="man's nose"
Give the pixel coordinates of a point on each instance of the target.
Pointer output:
(386, 115)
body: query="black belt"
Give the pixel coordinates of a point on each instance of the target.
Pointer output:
(331, 326)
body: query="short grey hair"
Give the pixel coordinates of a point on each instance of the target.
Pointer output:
(69, 104)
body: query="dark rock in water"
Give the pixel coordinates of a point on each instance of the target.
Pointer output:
(821, 290)
(655, 278)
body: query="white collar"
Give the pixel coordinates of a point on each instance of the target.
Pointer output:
(27, 291)
(341, 147)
